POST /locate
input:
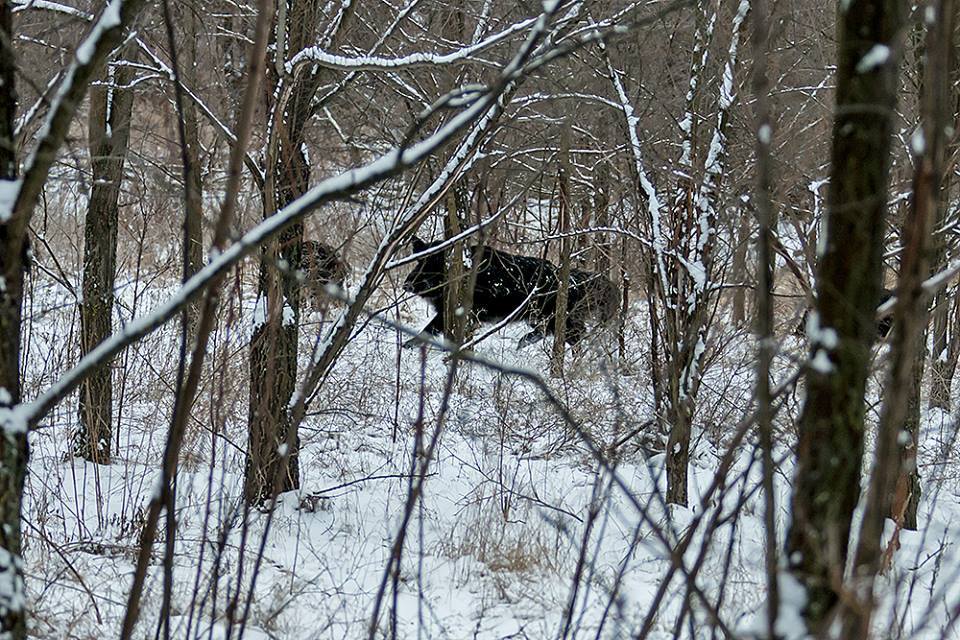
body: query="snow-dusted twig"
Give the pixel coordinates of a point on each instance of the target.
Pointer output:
(316, 55)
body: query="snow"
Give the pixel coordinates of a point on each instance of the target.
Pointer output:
(109, 19)
(8, 198)
(12, 596)
(918, 143)
(318, 56)
(821, 362)
(259, 317)
(763, 134)
(825, 336)
(877, 56)
(13, 420)
(494, 555)
(493, 544)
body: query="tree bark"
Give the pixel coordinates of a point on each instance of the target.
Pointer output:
(739, 268)
(193, 218)
(563, 228)
(272, 465)
(830, 446)
(13, 440)
(454, 307)
(894, 479)
(111, 105)
(602, 245)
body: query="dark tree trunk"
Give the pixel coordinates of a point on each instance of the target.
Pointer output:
(108, 134)
(13, 440)
(894, 479)
(193, 218)
(563, 228)
(830, 447)
(273, 457)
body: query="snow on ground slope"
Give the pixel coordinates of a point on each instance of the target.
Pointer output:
(514, 512)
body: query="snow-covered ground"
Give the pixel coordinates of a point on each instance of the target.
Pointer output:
(517, 534)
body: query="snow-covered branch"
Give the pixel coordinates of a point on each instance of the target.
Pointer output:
(316, 55)
(338, 187)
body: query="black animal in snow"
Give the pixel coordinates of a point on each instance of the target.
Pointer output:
(523, 287)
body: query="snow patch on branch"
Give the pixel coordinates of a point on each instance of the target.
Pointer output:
(13, 420)
(12, 593)
(822, 339)
(323, 58)
(9, 189)
(877, 56)
(653, 200)
(918, 142)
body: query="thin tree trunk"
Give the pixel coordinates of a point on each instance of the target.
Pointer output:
(944, 354)
(939, 378)
(830, 446)
(13, 440)
(563, 289)
(766, 350)
(193, 218)
(688, 308)
(454, 309)
(111, 105)
(601, 199)
(739, 268)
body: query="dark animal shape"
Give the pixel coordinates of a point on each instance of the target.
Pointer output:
(591, 298)
(321, 266)
(884, 324)
(520, 286)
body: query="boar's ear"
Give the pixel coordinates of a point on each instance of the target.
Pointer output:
(417, 244)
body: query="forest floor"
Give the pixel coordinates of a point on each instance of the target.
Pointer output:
(517, 534)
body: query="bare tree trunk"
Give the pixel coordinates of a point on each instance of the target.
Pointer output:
(454, 309)
(946, 346)
(111, 105)
(601, 199)
(894, 475)
(273, 457)
(739, 269)
(563, 228)
(830, 447)
(766, 349)
(193, 218)
(13, 440)
(940, 379)
(688, 308)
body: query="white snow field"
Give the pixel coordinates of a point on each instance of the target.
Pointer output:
(516, 535)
